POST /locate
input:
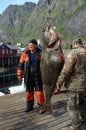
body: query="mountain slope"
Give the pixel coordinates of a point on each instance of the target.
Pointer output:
(13, 20)
(21, 23)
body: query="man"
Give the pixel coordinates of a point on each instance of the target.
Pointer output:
(73, 76)
(29, 65)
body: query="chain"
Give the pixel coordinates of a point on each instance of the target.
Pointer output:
(49, 2)
(49, 12)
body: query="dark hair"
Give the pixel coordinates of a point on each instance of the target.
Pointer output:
(33, 41)
(78, 40)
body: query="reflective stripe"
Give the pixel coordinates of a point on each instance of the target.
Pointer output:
(40, 97)
(30, 96)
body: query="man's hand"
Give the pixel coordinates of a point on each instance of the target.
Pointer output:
(58, 87)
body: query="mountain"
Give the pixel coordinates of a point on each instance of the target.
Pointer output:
(22, 23)
(13, 19)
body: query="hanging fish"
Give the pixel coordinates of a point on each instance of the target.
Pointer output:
(51, 64)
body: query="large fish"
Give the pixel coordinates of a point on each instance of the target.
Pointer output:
(51, 64)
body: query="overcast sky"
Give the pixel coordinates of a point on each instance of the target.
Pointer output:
(5, 3)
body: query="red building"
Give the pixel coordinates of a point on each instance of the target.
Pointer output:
(8, 54)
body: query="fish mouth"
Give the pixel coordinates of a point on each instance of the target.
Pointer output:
(49, 40)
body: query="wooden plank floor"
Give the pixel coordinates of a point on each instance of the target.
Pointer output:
(13, 117)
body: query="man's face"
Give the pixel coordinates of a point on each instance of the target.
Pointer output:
(32, 46)
(74, 45)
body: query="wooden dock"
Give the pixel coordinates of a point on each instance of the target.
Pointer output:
(13, 117)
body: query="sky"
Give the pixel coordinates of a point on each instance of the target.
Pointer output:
(5, 3)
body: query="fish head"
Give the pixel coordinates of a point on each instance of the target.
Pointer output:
(50, 35)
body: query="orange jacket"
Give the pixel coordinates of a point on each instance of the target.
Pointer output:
(24, 63)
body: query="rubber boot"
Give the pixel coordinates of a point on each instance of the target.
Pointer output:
(29, 106)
